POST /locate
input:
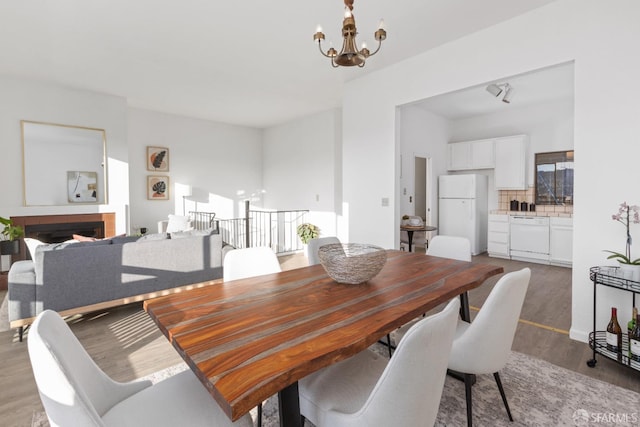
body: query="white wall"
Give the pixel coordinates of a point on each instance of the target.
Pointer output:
(422, 134)
(302, 168)
(23, 99)
(598, 36)
(217, 165)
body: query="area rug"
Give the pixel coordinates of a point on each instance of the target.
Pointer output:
(539, 394)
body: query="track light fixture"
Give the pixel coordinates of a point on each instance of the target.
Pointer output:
(504, 89)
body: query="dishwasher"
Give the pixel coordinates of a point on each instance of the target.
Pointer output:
(529, 238)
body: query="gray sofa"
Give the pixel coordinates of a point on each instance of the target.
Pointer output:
(80, 277)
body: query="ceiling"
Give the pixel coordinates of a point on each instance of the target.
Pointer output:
(251, 63)
(532, 88)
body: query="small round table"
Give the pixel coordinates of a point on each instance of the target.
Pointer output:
(410, 229)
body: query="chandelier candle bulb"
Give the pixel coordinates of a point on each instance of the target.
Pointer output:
(381, 24)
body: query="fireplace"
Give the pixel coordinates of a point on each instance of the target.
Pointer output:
(58, 228)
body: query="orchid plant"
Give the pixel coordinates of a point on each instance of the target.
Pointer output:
(626, 216)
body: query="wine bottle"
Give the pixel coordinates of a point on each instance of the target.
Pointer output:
(614, 333)
(630, 325)
(634, 341)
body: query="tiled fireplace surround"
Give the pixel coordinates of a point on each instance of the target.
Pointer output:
(505, 196)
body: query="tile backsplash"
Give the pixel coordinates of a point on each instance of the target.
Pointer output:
(505, 196)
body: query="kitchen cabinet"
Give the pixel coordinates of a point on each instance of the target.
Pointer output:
(471, 155)
(510, 163)
(498, 236)
(459, 156)
(561, 241)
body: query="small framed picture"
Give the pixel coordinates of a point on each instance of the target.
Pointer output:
(82, 187)
(157, 159)
(157, 187)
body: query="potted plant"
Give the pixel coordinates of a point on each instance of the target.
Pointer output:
(626, 218)
(307, 232)
(9, 243)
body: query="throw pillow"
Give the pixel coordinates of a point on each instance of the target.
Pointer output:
(32, 244)
(177, 223)
(80, 238)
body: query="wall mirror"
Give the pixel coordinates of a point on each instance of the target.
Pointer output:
(554, 178)
(63, 165)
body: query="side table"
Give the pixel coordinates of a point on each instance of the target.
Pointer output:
(410, 229)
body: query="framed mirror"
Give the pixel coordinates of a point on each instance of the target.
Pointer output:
(554, 178)
(63, 164)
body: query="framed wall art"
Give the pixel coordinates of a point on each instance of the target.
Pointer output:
(157, 159)
(82, 187)
(157, 187)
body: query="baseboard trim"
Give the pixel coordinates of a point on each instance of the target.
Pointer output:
(579, 335)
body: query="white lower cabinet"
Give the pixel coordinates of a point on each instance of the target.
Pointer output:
(498, 236)
(561, 241)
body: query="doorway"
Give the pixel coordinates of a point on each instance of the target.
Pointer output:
(422, 188)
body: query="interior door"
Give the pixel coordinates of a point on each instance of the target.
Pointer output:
(420, 186)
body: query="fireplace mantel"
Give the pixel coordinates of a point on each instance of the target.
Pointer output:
(108, 219)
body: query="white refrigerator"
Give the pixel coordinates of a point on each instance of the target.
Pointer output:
(462, 209)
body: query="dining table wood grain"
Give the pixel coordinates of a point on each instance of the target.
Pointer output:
(249, 339)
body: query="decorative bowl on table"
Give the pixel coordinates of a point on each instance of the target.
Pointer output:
(352, 263)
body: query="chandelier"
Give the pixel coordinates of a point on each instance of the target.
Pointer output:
(349, 54)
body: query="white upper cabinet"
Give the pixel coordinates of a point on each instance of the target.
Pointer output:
(510, 162)
(471, 155)
(459, 156)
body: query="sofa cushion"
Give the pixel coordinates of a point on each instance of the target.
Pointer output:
(120, 240)
(190, 233)
(153, 237)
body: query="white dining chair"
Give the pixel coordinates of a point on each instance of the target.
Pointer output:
(76, 392)
(314, 244)
(458, 248)
(483, 346)
(453, 247)
(249, 262)
(370, 390)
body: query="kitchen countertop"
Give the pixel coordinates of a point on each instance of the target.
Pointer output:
(528, 213)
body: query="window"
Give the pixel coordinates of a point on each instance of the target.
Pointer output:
(554, 178)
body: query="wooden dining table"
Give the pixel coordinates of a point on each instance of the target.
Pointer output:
(249, 339)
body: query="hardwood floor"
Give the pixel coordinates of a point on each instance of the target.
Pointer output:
(127, 345)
